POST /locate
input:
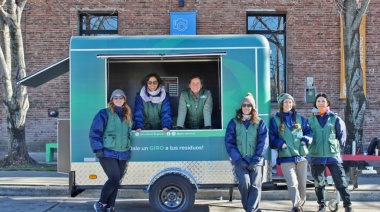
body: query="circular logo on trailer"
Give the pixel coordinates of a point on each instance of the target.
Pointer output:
(137, 134)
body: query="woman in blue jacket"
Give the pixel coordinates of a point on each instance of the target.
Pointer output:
(329, 138)
(247, 142)
(290, 134)
(152, 106)
(110, 141)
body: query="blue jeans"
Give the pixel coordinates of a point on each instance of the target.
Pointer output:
(250, 183)
(339, 177)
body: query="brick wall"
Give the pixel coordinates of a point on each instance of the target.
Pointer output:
(313, 47)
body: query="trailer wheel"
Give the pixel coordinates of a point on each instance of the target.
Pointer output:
(171, 193)
(333, 205)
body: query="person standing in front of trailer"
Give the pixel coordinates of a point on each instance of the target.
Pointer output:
(152, 106)
(329, 138)
(110, 141)
(195, 106)
(247, 142)
(290, 134)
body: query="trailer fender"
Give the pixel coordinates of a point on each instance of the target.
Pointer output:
(187, 175)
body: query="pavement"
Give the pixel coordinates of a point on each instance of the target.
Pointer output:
(53, 184)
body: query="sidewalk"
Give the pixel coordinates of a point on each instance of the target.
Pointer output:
(39, 183)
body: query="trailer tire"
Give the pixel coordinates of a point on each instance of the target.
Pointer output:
(171, 193)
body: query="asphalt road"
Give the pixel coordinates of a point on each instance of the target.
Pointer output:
(59, 204)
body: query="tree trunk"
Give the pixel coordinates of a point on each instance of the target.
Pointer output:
(356, 101)
(17, 150)
(13, 68)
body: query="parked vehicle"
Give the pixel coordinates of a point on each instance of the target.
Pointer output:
(172, 165)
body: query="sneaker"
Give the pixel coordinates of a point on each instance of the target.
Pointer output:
(110, 209)
(99, 207)
(348, 209)
(322, 208)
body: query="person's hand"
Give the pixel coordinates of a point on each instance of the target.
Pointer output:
(241, 163)
(99, 153)
(165, 129)
(177, 128)
(207, 127)
(252, 167)
(284, 146)
(138, 130)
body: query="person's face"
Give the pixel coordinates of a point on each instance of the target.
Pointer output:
(246, 107)
(321, 102)
(118, 100)
(287, 105)
(195, 85)
(152, 84)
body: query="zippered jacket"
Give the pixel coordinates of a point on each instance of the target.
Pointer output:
(329, 137)
(194, 112)
(247, 141)
(295, 150)
(110, 133)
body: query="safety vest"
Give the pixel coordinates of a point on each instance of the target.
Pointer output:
(292, 139)
(194, 116)
(325, 143)
(117, 133)
(246, 139)
(152, 116)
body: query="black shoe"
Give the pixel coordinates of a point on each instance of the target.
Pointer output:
(348, 209)
(99, 207)
(322, 208)
(297, 209)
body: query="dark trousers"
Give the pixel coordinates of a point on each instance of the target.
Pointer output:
(250, 183)
(115, 170)
(339, 178)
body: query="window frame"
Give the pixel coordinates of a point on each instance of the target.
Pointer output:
(83, 32)
(272, 32)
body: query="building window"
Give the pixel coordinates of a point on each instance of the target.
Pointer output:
(93, 24)
(273, 28)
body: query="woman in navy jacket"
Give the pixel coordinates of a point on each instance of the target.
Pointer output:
(247, 142)
(290, 134)
(152, 106)
(110, 141)
(329, 138)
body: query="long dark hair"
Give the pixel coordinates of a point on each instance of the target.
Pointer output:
(282, 125)
(144, 82)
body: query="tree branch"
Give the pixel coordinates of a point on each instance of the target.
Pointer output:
(359, 15)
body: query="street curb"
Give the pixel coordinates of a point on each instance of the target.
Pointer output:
(33, 191)
(63, 191)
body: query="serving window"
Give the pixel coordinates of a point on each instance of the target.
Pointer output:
(127, 71)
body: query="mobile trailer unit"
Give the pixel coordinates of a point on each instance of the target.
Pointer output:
(170, 166)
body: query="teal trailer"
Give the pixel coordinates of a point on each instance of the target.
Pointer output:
(172, 165)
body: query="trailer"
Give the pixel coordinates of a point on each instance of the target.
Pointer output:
(170, 166)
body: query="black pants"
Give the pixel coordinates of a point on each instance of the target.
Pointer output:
(339, 177)
(115, 170)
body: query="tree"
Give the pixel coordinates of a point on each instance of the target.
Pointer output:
(13, 68)
(352, 12)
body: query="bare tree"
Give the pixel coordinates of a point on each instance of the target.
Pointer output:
(356, 102)
(13, 68)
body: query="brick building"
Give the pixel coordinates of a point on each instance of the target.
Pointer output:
(308, 30)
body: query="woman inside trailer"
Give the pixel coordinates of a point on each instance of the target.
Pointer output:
(195, 106)
(152, 106)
